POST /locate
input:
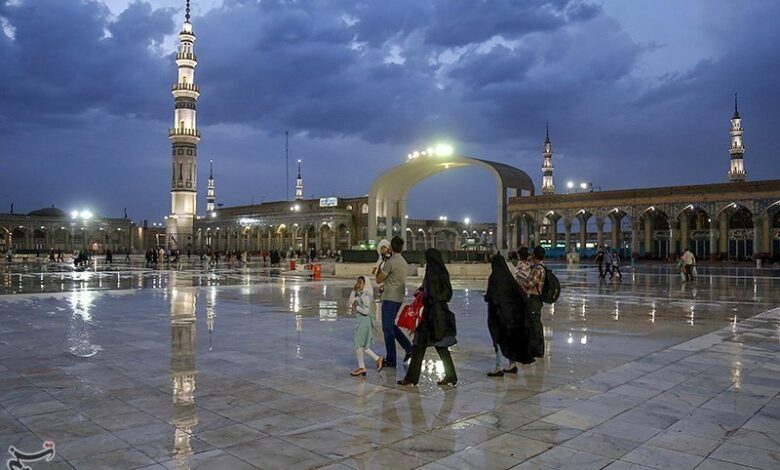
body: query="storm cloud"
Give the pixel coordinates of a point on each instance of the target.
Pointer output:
(358, 84)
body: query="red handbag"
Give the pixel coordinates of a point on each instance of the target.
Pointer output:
(411, 314)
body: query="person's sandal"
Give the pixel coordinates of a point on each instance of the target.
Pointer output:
(358, 372)
(406, 382)
(496, 373)
(380, 364)
(446, 381)
(513, 370)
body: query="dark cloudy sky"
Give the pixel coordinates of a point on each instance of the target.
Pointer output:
(638, 93)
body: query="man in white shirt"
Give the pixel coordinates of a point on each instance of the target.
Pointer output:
(689, 261)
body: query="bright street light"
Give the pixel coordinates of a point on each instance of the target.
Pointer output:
(466, 221)
(444, 150)
(583, 185)
(84, 214)
(441, 150)
(570, 184)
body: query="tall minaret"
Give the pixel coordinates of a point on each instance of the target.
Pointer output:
(737, 150)
(184, 138)
(210, 197)
(299, 184)
(548, 187)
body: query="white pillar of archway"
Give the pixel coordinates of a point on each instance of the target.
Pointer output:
(501, 219)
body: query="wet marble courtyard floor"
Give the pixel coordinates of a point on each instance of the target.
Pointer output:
(241, 368)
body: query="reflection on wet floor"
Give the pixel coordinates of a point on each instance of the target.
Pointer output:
(124, 379)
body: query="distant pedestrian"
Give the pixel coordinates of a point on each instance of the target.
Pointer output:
(608, 263)
(600, 262)
(689, 262)
(437, 327)
(361, 302)
(616, 264)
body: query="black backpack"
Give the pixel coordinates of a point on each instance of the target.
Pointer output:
(551, 289)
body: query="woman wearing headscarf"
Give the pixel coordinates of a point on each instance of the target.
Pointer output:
(505, 318)
(437, 326)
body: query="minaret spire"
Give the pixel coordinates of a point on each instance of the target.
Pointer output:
(548, 186)
(737, 149)
(299, 183)
(184, 137)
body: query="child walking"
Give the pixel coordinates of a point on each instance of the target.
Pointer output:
(361, 301)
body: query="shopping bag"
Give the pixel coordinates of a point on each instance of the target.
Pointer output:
(411, 314)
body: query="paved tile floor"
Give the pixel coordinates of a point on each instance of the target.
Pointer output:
(251, 371)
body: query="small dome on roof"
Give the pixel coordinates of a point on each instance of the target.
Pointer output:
(48, 212)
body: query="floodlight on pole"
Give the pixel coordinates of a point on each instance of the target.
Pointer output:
(467, 221)
(570, 184)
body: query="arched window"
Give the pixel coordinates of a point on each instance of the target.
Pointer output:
(364, 209)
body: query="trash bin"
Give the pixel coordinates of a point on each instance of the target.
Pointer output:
(317, 271)
(292, 265)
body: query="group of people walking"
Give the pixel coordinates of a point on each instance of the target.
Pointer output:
(514, 312)
(515, 308)
(609, 263)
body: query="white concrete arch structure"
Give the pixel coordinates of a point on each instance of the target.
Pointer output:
(388, 195)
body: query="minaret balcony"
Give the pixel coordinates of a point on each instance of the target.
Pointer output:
(185, 87)
(185, 132)
(186, 56)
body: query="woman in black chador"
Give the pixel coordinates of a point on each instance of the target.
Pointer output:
(437, 327)
(506, 318)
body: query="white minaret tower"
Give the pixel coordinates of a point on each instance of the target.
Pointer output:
(210, 197)
(184, 138)
(299, 184)
(548, 187)
(737, 150)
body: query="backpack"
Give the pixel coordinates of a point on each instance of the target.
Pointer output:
(551, 289)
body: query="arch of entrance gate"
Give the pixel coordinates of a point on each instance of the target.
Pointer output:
(388, 195)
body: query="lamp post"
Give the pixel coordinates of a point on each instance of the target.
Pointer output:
(467, 222)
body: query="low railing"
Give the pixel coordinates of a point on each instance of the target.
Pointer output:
(186, 56)
(185, 86)
(184, 131)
